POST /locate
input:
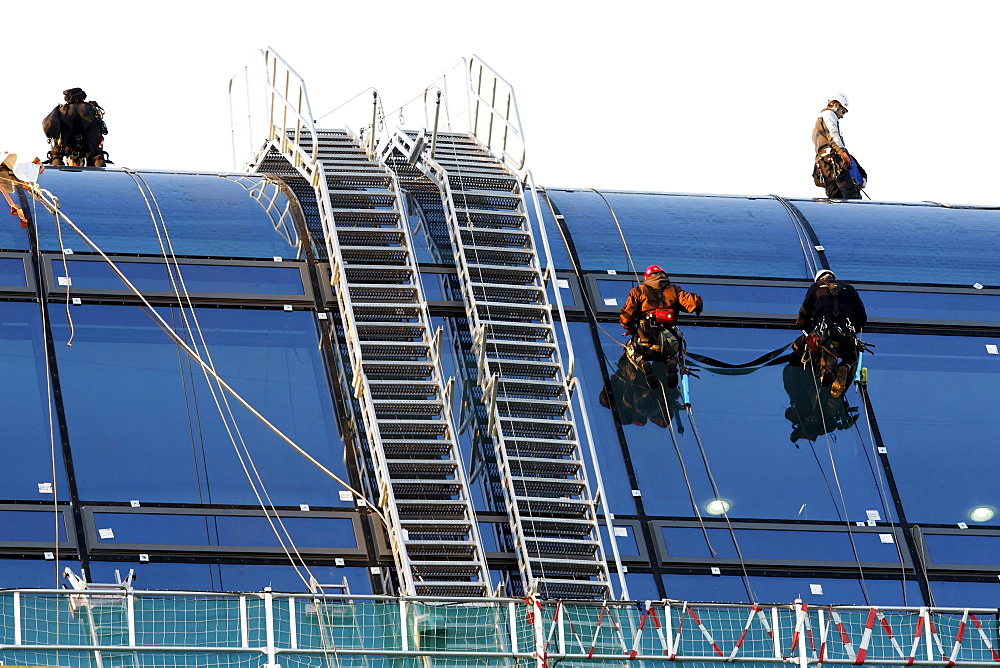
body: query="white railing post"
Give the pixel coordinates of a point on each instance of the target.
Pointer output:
(244, 623)
(512, 622)
(776, 629)
(292, 626)
(17, 618)
(404, 626)
(269, 629)
(561, 628)
(800, 633)
(130, 612)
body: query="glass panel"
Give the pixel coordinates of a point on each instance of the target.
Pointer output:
(30, 526)
(150, 429)
(27, 448)
(965, 594)
(812, 590)
(147, 276)
(224, 530)
(35, 574)
(904, 243)
(159, 575)
(557, 247)
(716, 233)
(720, 298)
(772, 544)
(205, 215)
(979, 307)
(746, 423)
(625, 538)
(935, 400)
(641, 586)
(307, 532)
(969, 549)
(12, 272)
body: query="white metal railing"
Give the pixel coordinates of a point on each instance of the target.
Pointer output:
(480, 102)
(203, 628)
(575, 383)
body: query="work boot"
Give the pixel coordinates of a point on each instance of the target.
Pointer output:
(98, 161)
(840, 382)
(57, 161)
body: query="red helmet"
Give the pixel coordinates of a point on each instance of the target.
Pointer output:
(653, 269)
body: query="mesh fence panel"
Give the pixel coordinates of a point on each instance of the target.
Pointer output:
(122, 630)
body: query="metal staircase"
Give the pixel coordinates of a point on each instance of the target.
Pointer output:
(553, 516)
(356, 214)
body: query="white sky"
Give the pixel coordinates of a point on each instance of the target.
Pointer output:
(707, 96)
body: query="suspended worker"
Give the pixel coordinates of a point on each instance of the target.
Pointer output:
(649, 317)
(836, 170)
(76, 131)
(831, 316)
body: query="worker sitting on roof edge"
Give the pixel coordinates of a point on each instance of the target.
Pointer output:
(649, 317)
(830, 316)
(835, 170)
(76, 131)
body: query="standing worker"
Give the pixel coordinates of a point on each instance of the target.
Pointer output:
(648, 316)
(835, 169)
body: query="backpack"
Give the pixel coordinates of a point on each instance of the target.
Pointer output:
(52, 124)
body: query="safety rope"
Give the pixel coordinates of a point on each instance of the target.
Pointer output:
(228, 417)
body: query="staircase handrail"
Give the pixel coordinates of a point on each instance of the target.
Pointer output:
(571, 377)
(485, 92)
(300, 111)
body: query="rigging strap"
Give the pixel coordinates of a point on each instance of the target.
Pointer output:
(771, 357)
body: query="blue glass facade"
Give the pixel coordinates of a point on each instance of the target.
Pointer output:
(887, 499)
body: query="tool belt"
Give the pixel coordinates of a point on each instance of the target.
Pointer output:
(829, 166)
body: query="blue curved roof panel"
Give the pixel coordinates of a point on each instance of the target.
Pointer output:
(205, 214)
(686, 234)
(904, 243)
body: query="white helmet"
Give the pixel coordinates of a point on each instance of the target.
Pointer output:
(821, 273)
(841, 98)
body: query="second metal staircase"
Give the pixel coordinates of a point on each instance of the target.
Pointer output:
(553, 516)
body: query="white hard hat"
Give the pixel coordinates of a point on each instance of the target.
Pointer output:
(821, 273)
(841, 98)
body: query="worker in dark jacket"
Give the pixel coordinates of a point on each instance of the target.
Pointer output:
(648, 316)
(76, 131)
(834, 308)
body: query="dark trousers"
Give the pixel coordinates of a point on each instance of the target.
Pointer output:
(843, 187)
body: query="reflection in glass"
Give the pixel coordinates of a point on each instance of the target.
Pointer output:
(636, 402)
(813, 411)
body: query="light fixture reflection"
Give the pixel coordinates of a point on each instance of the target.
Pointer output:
(982, 514)
(717, 507)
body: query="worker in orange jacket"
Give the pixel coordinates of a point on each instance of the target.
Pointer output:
(649, 317)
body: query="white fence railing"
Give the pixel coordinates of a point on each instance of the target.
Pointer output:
(60, 627)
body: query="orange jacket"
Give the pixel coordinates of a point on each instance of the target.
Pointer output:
(645, 298)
